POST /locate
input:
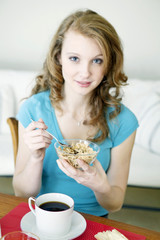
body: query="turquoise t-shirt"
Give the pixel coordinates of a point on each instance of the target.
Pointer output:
(53, 179)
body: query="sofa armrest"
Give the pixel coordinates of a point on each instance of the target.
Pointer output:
(13, 124)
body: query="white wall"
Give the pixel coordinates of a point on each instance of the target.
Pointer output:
(27, 26)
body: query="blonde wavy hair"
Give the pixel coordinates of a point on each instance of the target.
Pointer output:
(92, 25)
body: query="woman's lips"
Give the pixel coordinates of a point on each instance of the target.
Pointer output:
(84, 84)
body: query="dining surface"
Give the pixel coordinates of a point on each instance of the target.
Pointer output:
(9, 202)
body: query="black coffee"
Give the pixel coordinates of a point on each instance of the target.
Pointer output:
(54, 206)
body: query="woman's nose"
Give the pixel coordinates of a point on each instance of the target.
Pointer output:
(85, 70)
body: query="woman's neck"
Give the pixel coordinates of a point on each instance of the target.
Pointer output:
(76, 105)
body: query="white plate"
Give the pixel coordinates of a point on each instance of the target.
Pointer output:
(78, 226)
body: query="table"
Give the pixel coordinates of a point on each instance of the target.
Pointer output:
(8, 202)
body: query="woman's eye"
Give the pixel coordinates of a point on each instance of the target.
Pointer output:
(98, 61)
(74, 59)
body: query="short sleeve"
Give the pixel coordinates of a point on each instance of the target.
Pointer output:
(122, 126)
(34, 108)
(24, 114)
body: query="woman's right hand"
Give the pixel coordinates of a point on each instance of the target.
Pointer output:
(37, 139)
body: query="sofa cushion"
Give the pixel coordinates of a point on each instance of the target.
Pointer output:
(14, 86)
(144, 168)
(20, 81)
(6, 155)
(7, 106)
(143, 98)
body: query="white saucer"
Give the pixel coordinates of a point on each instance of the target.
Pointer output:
(28, 224)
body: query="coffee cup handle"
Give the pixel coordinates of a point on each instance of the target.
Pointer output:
(30, 204)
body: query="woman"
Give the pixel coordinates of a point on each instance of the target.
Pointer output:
(78, 96)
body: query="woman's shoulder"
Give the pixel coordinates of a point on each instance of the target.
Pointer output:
(34, 107)
(39, 97)
(123, 125)
(125, 113)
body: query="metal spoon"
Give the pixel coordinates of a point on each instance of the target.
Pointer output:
(62, 144)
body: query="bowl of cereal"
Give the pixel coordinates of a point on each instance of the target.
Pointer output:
(77, 149)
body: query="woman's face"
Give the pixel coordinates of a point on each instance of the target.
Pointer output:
(82, 63)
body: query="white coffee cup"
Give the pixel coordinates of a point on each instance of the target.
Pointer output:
(52, 223)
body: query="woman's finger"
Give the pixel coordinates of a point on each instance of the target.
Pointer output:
(39, 124)
(61, 166)
(37, 146)
(40, 132)
(84, 166)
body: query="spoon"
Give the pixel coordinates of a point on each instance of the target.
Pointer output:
(62, 144)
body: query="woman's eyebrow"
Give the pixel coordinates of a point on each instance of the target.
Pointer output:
(99, 55)
(74, 53)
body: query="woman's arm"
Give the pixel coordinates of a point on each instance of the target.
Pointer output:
(112, 193)
(109, 188)
(31, 151)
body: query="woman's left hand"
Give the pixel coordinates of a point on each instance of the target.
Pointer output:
(90, 176)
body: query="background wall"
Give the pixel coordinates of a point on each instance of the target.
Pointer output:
(27, 26)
